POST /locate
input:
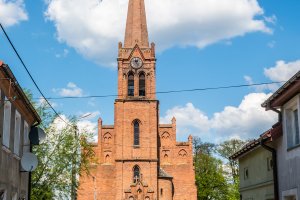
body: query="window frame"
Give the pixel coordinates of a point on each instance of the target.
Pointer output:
(6, 123)
(135, 180)
(26, 141)
(246, 173)
(291, 123)
(136, 133)
(17, 133)
(142, 85)
(130, 87)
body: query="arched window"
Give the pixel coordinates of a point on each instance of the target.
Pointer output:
(142, 88)
(136, 174)
(136, 130)
(107, 159)
(130, 84)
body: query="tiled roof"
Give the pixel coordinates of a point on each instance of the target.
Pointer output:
(270, 135)
(282, 89)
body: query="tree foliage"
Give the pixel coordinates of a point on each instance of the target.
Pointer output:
(211, 184)
(213, 179)
(63, 156)
(225, 150)
(228, 148)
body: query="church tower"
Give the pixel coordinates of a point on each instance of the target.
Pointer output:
(136, 110)
(138, 158)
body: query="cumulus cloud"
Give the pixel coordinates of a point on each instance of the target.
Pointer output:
(261, 88)
(84, 126)
(12, 12)
(95, 27)
(72, 90)
(248, 120)
(282, 71)
(187, 116)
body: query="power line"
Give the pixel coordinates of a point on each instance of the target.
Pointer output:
(15, 50)
(173, 91)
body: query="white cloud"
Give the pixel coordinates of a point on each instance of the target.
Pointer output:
(72, 90)
(12, 12)
(282, 71)
(187, 116)
(248, 120)
(86, 126)
(261, 88)
(95, 27)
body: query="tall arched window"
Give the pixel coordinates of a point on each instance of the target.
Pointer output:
(142, 89)
(136, 174)
(130, 84)
(136, 131)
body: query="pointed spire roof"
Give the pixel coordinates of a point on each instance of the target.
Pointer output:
(136, 26)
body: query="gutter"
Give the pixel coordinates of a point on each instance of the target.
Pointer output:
(274, 161)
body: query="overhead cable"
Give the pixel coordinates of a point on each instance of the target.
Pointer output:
(25, 67)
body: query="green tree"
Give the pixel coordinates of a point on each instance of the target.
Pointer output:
(225, 150)
(63, 156)
(210, 181)
(228, 148)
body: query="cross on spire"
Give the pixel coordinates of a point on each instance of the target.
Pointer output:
(136, 26)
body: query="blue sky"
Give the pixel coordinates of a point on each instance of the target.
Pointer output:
(70, 48)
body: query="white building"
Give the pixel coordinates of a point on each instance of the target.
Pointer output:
(17, 116)
(286, 102)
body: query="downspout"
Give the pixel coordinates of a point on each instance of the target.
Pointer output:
(29, 175)
(274, 158)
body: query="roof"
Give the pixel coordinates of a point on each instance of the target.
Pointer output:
(163, 174)
(284, 93)
(136, 26)
(8, 74)
(270, 135)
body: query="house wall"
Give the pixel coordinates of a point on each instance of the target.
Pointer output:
(258, 185)
(12, 181)
(288, 161)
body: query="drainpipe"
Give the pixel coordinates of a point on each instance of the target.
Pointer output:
(274, 159)
(29, 175)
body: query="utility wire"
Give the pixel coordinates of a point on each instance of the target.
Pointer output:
(173, 91)
(38, 88)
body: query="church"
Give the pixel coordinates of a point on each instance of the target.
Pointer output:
(138, 158)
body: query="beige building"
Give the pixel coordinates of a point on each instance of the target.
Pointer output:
(256, 169)
(139, 158)
(17, 116)
(283, 141)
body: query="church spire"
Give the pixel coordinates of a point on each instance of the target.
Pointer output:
(136, 26)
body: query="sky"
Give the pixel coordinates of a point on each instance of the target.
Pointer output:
(70, 48)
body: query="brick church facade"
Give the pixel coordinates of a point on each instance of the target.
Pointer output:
(138, 158)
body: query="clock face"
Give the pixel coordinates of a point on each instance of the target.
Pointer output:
(136, 63)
